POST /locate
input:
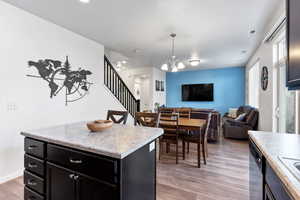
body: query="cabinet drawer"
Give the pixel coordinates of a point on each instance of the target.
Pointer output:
(34, 182)
(95, 166)
(34, 165)
(34, 147)
(31, 195)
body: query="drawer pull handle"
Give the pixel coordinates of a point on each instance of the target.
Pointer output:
(75, 161)
(32, 165)
(73, 176)
(31, 147)
(259, 160)
(31, 183)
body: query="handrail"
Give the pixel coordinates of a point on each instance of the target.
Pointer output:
(114, 82)
(112, 67)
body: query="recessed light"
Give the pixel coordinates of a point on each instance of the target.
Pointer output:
(84, 1)
(124, 62)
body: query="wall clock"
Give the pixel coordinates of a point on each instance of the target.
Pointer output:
(264, 78)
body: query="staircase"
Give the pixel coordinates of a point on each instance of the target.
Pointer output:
(118, 88)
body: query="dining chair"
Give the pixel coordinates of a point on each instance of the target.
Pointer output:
(199, 137)
(146, 119)
(169, 123)
(166, 110)
(114, 114)
(183, 112)
(197, 115)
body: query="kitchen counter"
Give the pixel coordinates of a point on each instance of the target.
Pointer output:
(118, 142)
(69, 160)
(275, 145)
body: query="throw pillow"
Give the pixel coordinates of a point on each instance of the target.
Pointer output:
(241, 117)
(232, 112)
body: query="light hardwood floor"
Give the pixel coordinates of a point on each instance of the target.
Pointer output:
(225, 177)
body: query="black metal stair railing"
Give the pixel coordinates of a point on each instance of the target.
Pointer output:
(117, 86)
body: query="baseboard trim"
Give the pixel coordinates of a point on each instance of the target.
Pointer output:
(11, 176)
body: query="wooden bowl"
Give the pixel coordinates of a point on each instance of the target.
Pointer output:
(99, 125)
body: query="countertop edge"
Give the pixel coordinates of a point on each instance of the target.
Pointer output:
(292, 190)
(90, 150)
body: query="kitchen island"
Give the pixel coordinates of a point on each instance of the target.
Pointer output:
(70, 162)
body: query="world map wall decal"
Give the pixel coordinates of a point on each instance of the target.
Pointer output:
(62, 79)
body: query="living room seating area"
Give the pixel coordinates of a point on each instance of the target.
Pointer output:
(246, 118)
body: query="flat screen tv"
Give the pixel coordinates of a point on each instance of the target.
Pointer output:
(198, 92)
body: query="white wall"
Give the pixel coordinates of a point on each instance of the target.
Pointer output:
(264, 54)
(145, 77)
(24, 101)
(158, 96)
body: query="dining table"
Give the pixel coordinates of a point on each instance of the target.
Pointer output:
(189, 124)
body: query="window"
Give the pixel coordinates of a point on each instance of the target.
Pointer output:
(284, 101)
(253, 86)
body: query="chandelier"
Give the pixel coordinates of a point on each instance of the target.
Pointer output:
(173, 63)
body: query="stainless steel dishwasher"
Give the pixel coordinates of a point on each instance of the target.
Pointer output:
(256, 171)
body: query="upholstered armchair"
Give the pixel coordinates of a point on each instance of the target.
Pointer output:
(239, 129)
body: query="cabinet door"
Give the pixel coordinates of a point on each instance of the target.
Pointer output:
(60, 183)
(89, 188)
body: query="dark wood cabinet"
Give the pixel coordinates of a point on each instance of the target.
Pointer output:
(293, 42)
(93, 189)
(60, 183)
(55, 172)
(276, 187)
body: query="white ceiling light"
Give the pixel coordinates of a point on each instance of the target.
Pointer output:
(172, 62)
(124, 62)
(180, 65)
(165, 67)
(194, 62)
(84, 1)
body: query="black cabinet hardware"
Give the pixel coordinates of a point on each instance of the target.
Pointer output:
(31, 183)
(32, 165)
(32, 147)
(74, 161)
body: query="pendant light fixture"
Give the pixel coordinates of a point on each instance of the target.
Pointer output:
(173, 63)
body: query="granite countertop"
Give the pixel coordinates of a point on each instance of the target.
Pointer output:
(118, 141)
(274, 145)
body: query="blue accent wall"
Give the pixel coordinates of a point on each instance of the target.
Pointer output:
(229, 87)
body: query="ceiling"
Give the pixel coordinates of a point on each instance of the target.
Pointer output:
(216, 31)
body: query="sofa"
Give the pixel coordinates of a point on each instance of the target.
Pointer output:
(238, 129)
(215, 125)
